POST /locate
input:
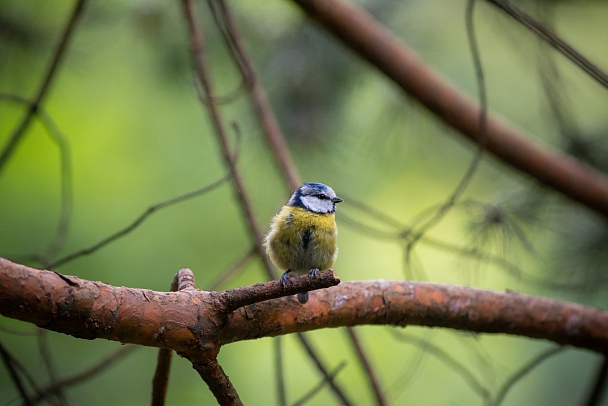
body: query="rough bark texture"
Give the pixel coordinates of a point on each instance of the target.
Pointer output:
(196, 322)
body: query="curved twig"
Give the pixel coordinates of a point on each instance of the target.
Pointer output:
(46, 82)
(553, 40)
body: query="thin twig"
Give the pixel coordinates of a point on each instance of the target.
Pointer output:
(481, 137)
(65, 159)
(553, 40)
(526, 369)
(279, 374)
(151, 210)
(327, 380)
(160, 382)
(337, 390)
(197, 48)
(45, 353)
(264, 112)
(9, 363)
(45, 85)
(599, 386)
(232, 270)
(366, 364)
(85, 375)
(445, 357)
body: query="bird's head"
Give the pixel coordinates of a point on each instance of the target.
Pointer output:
(316, 197)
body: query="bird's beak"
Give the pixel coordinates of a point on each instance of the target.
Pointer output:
(337, 199)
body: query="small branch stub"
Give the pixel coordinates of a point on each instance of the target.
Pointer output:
(239, 297)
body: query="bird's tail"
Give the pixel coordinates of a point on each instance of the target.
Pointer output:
(303, 297)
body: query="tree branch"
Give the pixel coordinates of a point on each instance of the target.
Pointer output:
(45, 85)
(193, 321)
(553, 40)
(200, 64)
(218, 382)
(268, 121)
(362, 34)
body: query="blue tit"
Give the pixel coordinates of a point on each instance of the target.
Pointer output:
(303, 235)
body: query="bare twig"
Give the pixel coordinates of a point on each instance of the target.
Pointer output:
(447, 359)
(359, 31)
(85, 375)
(234, 298)
(366, 364)
(337, 390)
(279, 374)
(526, 369)
(270, 125)
(553, 40)
(9, 363)
(45, 354)
(65, 159)
(160, 382)
(151, 210)
(320, 386)
(481, 137)
(46, 82)
(232, 270)
(599, 386)
(197, 48)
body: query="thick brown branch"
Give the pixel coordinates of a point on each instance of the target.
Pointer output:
(191, 321)
(400, 303)
(359, 31)
(187, 321)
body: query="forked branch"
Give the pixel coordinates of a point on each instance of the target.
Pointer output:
(193, 320)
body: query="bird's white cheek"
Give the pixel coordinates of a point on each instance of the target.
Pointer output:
(317, 205)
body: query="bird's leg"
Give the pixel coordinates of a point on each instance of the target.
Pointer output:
(284, 278)
(313, 273)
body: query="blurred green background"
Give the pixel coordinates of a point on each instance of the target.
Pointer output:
(125, 101)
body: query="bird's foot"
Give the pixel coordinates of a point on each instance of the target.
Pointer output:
(284, 279)
(313, 273)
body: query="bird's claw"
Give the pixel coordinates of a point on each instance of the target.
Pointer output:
(284, 279)
(313, 273)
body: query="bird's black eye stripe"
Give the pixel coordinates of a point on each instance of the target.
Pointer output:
(323, 197)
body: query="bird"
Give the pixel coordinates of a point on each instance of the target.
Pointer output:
(302, 237)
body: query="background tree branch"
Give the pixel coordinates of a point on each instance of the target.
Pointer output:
(360, 32)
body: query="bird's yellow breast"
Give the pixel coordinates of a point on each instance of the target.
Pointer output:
(300, 240)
